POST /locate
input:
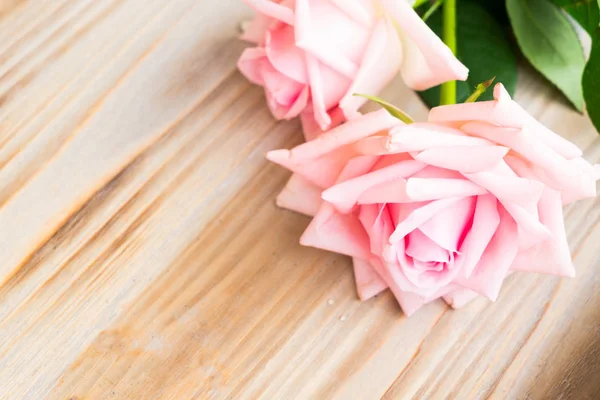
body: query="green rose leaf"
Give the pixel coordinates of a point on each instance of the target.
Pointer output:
(586, 12)
(482, 46)
(549, 42)
(591, 81)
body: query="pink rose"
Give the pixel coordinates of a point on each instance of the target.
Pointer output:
(446, 208)
(313, 55)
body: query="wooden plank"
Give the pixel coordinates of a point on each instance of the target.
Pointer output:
(142, 255)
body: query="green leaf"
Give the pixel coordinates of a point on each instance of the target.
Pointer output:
(497, 8)
(591, 81)
(549, 42)
(482, 46)
(586, 12)
(389, 107)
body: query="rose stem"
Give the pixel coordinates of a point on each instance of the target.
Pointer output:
(448, 91)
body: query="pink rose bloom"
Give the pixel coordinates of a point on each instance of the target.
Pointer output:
(313, 55)
(446, 208)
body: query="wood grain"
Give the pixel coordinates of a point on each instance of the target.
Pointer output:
(142, 255)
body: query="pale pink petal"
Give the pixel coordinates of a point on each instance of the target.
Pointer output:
(374, 145)
(321, 160)
(485, 223)
(251, 63)
(348, 133)
(301, 196)
(282, 92)
(322, 172)
(460, 297)
(488, 275)
(567, 174)
(284, 55)
(355, 10)
(317, 93)
(463, 158)
(378, 223)
(299, 104)
(368, 281)
(409, 302)
(504, 112)
(342, 51)
(355, 167)
(346, 194)
(422, 248)
(379, 65)
(552, 256)
(423, 136)
(512, 189)
(430, 282)
(386, 192)
(339, 233)
(273, 9)
(448, 227)
(419, 217)
(311, 129)
(403, 274)
(426, 61)
(425, 189)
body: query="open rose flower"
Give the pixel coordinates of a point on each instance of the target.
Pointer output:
(313, 55)
(446, 208)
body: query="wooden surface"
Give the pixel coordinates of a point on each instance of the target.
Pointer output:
(142, 255)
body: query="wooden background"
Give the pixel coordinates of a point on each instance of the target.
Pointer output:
(142, 255)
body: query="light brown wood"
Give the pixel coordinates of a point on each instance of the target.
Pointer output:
(142, 255)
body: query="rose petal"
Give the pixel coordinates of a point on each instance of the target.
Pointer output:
(321, 161)
(273, 10)
(422, 248)
(447, 228)
(423, 136)
(419, 216)
(427, 61)
(386, 192)
(507, 188)
(342, 52)
(299, 104)
(560, 170)
(339, 233)
(346, 194)
(373, 146)
(463, 158)
(301, 196)
(552, 256)
(424, 189)
(369, 124)
(317, 92)
(519, 196)
(284, 55)
(377, 222)
(368, 281)
(379, 65)
(409, 302)
(251, 63)
(311, 129)
(488, 275)
(485, 223)
(355, 10)
(504, 112)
